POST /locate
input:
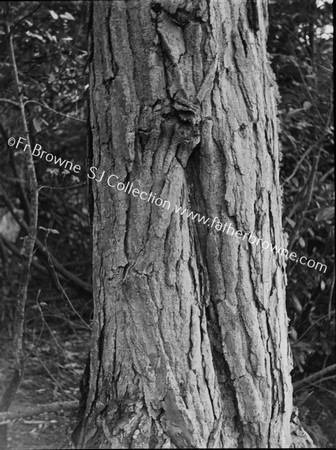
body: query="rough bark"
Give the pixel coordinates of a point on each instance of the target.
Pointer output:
(189, 344)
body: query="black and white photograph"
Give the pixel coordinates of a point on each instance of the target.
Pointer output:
(167, 224)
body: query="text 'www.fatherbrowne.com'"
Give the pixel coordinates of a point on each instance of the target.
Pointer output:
(151, 197)
(214, 223)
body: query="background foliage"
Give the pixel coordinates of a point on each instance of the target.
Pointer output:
(51, 53)
(300, 42)
(50, 40)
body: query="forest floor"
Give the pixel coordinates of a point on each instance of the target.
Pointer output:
(54, 367)
(317, 412)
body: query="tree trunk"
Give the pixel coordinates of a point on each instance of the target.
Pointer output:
(189, 345)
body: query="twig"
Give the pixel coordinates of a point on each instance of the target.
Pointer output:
(54, 111)
(50, 374)
(62, 290)
(66, 188)
(18, 180)
(315, 323)
(304, 156)
(12, 102)
(37, 410)
(58, 266)
(314, 376)
(326, 175)
(26, 254)
(317, 385)
(16, 252)
(331, 297)
(322, 380)
(307, 193)
(45, 323)
(21, 19)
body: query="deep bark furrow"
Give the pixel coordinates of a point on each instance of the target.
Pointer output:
(188, 344)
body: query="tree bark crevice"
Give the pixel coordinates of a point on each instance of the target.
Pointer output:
(190, 329)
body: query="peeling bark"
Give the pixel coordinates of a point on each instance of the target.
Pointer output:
(189, 345)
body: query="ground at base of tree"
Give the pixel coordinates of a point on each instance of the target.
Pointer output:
(53, 371)
(318, 413)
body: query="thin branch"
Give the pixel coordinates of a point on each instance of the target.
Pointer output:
(36, 354)
(318, 386)
(58, 266)
(26, 254)
(18, 181)
(53, 110)
(331, 296)
(62, 290)
(16, 252)
(29, 240)
(66, 188)
(305, 202)
(303, 157)
(314, 376)
(24, 17)
(314, 324)
(7, 100)
(40, 267)
(326, 175)
(17, 105)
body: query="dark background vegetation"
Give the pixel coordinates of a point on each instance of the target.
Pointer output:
(50, 41)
